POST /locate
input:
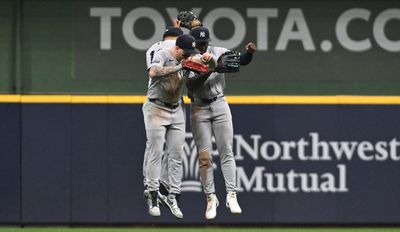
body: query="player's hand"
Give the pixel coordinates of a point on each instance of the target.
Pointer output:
(206, 58)
(251, 47)
(177, 23)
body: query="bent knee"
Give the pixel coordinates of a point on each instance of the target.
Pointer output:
(204, 158)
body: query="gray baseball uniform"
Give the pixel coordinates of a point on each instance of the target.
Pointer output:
(150, 53)
(211, 115)
(164, 122)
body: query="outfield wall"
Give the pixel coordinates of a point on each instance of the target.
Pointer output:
(315, 113)
(81, 163)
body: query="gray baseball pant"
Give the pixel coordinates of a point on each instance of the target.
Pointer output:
(164, 126)
(214, 119)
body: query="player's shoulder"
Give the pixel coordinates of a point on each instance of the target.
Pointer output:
(162, 44)
(164, 51)
(154, 46)
(217, 50)
(163, 54)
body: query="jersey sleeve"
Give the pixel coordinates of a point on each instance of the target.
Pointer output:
(159, 59)
(219, 51)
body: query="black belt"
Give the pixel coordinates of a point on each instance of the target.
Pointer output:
(207, 100)
(166, 104)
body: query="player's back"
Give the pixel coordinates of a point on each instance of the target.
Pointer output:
(165, 44)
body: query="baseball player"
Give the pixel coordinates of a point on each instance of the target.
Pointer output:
(164, 119)
(211, 115)
(169, 39)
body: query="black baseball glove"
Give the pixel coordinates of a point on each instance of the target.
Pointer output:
(229, 62)
(188, 19)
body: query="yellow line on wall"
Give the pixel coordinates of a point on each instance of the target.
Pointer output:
(135, 99)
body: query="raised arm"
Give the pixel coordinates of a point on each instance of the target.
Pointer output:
(247, 56)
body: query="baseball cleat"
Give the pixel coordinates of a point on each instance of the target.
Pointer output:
(172, 204)
(147, 196)
(161, 198)
(232, 204)
(212, 204)
(154, 208)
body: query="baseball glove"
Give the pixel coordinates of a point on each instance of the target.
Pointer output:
(188, 19)
(194, 66)
(229, 62)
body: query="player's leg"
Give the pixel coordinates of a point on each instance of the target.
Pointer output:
(223, 132)
(155, 119)
(145, 165)
(164, 179)
(146, 193)
(175, 139)
(202, 134)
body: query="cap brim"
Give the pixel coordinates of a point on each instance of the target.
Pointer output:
(203, 40)
(192, 51)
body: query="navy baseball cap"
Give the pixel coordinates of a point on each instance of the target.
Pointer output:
(187, 43)
(201, 34)
(172, 31)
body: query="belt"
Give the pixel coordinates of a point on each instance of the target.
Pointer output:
(207, 100)
(166, 104)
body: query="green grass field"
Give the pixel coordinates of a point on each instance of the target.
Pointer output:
(191, 229)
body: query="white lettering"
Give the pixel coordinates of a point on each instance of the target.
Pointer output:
(302, 144)
(381, 151)
(310, 184)
(343, 149)
(393, 150)
(256, 178)
(342, 178)
(280, 182)
(291, 181)
(241, 143)
(316, 144)
(238, 23)
(342, 34)
(328, 182)
(105, 14)
(379, 30)
(364, 147)
(132, 17)
(295, 18)
(276, 150)
(262, 15)
(287, 145)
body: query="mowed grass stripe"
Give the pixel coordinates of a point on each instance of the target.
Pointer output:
(191, 229)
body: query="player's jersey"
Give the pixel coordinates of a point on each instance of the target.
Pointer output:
(157, 47)
(215, 84)
(168, 88)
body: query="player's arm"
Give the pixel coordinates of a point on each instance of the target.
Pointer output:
(208, 59)
(157, 68)
(246, 57)
(197, 81)
(158, 71)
